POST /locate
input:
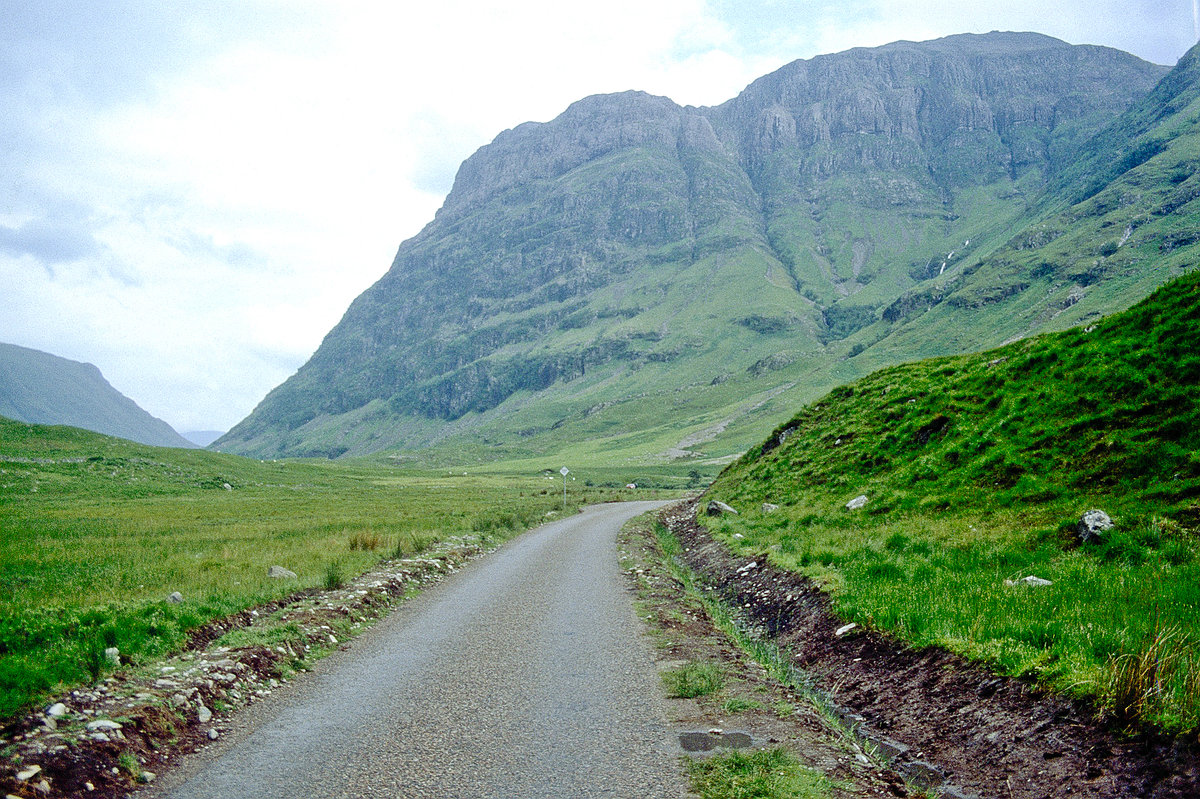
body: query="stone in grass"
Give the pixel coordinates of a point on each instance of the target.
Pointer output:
(280, 573)
(1093, 525)
(112, 656)
(718, 508)
(1030, 581)
(769, 507)
(857, 502)
(175, 598)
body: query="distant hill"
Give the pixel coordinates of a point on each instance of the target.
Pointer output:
(638, 281)
(39, 388)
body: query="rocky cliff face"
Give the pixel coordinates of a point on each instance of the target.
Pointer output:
(630, 234)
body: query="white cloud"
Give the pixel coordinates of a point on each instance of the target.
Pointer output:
(192, 197)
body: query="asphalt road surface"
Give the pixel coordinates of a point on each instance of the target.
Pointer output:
(523, 675)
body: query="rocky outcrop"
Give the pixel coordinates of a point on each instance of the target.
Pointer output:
(564, 245)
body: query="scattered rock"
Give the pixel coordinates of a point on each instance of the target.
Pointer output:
(857, 502)
(113, 656)
(717, 508)
(29, 773)
(213, 734)
(844, 629)
(769, 507)
(146, 776)
(280, 573)
(57, 710)
(1093, 525)
(175, 598)
(1031, 581)
(226, 486)
(203, 714)
(103, 724)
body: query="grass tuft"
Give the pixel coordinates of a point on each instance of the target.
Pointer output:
(335, 578)
(763, 774)
(694, 679)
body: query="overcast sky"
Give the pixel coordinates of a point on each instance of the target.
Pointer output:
(191, 193)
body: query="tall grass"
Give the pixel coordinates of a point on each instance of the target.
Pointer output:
(95, 532)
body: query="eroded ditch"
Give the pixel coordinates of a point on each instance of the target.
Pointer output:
(941, 720)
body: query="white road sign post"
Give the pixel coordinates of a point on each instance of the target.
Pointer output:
(564, 471)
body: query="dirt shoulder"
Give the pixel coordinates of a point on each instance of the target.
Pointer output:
(941, 719)
(753, 710)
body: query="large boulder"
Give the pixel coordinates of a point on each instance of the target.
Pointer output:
(718, 508)
(1093, 526)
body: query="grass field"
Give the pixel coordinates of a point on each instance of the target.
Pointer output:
(976, 470)
(96, 532)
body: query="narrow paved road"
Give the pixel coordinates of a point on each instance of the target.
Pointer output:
(523, 675)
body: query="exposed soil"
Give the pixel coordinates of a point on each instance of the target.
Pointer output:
(752, 710)
(945, 722)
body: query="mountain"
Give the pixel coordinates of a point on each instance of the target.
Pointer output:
(639, 280)
(39, 388)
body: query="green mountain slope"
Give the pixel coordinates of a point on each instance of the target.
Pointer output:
(635, 280)
(975, 469)
(40, 388)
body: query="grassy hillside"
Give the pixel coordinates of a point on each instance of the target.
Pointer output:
(975, 470)
(97, 531)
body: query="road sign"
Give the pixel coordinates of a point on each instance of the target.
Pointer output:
(564, 471)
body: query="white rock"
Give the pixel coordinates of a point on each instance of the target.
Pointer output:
(845, 628)
(57, 710)
(280, 573)
(1031, 581)
(857, 502)
(213, 734)
(1093, 524)
(29, 773)
(175, 598)
(113, 656)
(203, 714)
(103, 724)
(716, 508)
(769, 507)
